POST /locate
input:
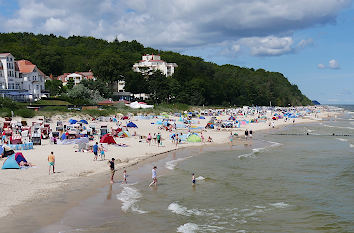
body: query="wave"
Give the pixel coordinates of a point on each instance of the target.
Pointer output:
(181, 210)
(200, 178)
(129, 198)
(339, 127)
(188, 228)
(351, 145)
(342, 139)
(279, 205)
(171, 165)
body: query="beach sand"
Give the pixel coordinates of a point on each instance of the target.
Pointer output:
(21, 186)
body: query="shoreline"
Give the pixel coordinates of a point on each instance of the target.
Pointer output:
(52, 209)
(73, 183)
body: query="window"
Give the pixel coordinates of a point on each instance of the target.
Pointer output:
(11, 86)
(17, 86)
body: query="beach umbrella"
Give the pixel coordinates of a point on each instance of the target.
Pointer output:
(72, 121)
(201, 117)
(194, 138)
(84, 121)
(125, 134)
(132, 125)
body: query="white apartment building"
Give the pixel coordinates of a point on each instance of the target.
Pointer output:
(150, 63)
(20, 80)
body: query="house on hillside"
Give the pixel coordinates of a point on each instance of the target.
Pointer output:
(77, 77)
(146, 66)
(150, 63)
(20, 80)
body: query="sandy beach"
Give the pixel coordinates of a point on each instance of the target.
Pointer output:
(23, 185)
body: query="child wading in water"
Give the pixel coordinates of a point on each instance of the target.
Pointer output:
(193, 179)
(125, 176)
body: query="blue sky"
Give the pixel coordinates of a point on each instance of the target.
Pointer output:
(309, 41)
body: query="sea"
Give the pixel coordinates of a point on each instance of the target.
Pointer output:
(299, 178)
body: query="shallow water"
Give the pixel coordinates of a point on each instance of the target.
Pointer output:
(278, 183)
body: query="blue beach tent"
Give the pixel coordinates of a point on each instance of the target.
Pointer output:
(10, 163)
(131, 125)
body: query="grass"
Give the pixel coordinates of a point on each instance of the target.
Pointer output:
(52, 102)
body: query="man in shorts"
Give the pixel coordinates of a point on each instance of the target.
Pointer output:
(95, 151)
(111, 166)
(51, 161)
(158, 137)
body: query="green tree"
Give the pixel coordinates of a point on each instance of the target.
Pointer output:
(55, 87)
(70, 84)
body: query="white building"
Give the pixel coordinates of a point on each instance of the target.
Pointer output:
(20, 80)
(33, 78)
(150, 63)
(9, 77)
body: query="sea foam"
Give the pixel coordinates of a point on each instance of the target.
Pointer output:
(171, 165)
(188, 228)
(181, 210)
(129, 198)
(279, 205)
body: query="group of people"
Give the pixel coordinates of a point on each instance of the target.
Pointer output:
(157, 139)
(98, 149)
(153, 174)
(248, 134)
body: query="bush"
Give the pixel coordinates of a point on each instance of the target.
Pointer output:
(25, 112)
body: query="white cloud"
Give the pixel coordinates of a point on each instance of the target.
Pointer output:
(268, 46)
(321, 66)
(333, 64)
(236, 48)
(306, 42)
(179, 23)
(54, 25)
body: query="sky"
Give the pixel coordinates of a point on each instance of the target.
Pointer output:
(309, 41)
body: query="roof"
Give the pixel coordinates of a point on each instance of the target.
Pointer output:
(4, 54)
(25, 66)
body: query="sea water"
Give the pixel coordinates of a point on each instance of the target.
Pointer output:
(297, 179)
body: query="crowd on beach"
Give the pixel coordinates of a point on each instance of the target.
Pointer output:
(126, 138)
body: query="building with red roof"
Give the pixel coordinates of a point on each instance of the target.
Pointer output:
(20, 80)
(77, 77)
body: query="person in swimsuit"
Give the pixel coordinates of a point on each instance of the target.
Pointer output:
(51, 161)
(149, 139)
(193, 179)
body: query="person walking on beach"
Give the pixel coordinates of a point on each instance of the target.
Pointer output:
(251, 133)
(177, 140)
(231, 137)
(149, 139)
(158, 138)
(246, 134)
(111, 166)
(154, 177)
(125, 176)
(102, 154)
(95, 151)
(51, 161)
